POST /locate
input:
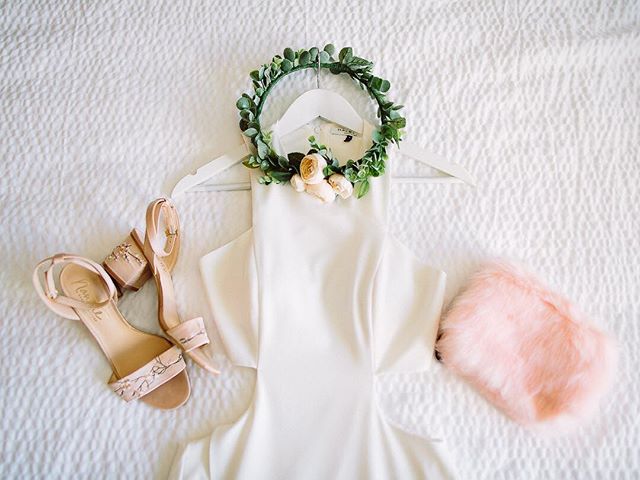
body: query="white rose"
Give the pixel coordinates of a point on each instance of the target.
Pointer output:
(311, 168)
(297, 183)
(321, 190)
(341, 185)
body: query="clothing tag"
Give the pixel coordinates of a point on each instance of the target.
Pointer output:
(345, 132)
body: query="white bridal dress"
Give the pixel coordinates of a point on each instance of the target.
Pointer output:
(321, 301)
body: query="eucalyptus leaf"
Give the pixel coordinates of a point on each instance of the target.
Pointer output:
(286, 65)
(345, 55)
(324, 57)
(313, 53)
(305, 58)
(330, 49)
(288, 54)
(376, 83)
(243, 103)
(263, 149)
(250, 132)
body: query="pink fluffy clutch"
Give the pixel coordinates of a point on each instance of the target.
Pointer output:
(526, 349)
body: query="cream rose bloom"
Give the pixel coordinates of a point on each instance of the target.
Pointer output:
(312, 168)
(321, 190)
(297, 183)
(341, 185)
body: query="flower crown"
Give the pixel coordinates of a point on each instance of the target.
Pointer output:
(318, 172)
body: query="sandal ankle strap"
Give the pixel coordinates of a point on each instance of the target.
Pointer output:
(62, 305)
(162, 207)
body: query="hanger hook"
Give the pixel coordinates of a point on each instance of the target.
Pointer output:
(318, 72)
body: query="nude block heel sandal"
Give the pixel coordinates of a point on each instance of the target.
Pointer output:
(145, 366)
(191, 335)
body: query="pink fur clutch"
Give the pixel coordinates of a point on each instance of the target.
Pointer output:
(526, 349)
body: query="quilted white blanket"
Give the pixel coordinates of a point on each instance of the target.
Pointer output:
(105, 105)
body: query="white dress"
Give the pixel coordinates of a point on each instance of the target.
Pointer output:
(320, 300)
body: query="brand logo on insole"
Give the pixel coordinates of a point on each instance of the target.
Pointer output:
(82, 290)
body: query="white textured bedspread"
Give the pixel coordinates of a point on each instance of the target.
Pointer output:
(105, 105)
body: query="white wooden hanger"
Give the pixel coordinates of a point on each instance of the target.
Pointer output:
(310, 105)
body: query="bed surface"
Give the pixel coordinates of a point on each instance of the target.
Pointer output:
(106, 105)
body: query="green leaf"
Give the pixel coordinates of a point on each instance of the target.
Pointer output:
(295, 158)
(336, 68)
(305, 58)
(313, 53)
(288, 54)
(283, 161)
(377, 136)
(324, 57)
(243, 103)
(312, 139)
(252, 162)
(281, 176)
(250, 132)
(362, 188)
(385, 86)
(286, 65)
(255, 75)
(397, 107)
(263, 149)
(346, 54)
(376, 83)
(358, 63)
(247, 115)
(330, 49)
(399, 122)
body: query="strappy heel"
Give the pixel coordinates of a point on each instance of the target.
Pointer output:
(145, 366)
(191, 335)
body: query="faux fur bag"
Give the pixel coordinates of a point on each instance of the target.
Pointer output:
(526, 349)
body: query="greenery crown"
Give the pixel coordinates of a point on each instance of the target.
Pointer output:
(280, 169)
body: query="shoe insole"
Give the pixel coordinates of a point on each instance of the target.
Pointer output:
(126, 348)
